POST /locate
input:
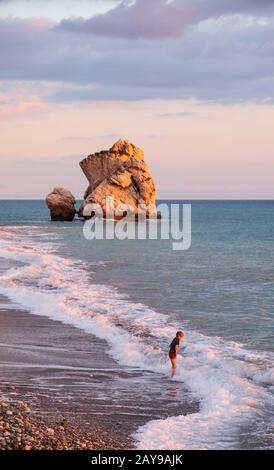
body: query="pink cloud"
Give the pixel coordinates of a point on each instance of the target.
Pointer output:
(16, 105)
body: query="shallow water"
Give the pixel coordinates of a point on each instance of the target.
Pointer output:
(135, 295)
(59, 369)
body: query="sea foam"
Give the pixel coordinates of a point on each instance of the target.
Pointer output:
(232, 384)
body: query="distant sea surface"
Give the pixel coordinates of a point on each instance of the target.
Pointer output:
(136, 294)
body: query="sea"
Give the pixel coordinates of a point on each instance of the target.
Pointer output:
(135, 294)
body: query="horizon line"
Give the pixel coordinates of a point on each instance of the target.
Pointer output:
(163, 199)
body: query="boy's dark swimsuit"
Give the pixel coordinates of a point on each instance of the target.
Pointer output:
(172, 350)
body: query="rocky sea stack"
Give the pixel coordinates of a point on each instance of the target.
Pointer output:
(119, 175)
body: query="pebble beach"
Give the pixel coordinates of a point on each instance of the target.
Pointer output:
(21, 429)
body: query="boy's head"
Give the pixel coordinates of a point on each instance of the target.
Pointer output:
(180, 335)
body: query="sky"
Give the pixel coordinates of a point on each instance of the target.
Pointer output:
(191, 82)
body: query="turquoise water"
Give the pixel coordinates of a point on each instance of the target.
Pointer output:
(223, 285)
(136, 293)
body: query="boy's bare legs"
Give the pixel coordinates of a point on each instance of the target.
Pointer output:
(174, 365)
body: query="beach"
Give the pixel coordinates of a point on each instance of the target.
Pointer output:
(25, 360)
(86, 327)
(21, 429)
(55, 395)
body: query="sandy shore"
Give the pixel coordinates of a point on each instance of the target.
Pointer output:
(72, 386)
(38, 409)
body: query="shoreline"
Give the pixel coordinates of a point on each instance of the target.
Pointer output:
(34, 416)
(64, 375)
(21, 429)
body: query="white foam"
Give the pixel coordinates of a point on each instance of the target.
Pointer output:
(228, 380)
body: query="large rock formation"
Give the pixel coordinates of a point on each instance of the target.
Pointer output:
(122, 173)
(61, 204)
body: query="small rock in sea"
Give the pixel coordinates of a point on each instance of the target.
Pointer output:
(61, 204)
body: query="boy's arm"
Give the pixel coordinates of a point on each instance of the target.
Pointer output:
(177, 349)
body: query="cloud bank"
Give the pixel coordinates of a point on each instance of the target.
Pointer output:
(162, 18)
(213, 50)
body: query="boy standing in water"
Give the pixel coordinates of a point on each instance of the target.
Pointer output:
(174, 348)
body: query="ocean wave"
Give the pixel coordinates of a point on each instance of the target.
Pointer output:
(232, 384)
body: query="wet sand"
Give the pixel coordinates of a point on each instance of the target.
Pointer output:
(64, 373)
